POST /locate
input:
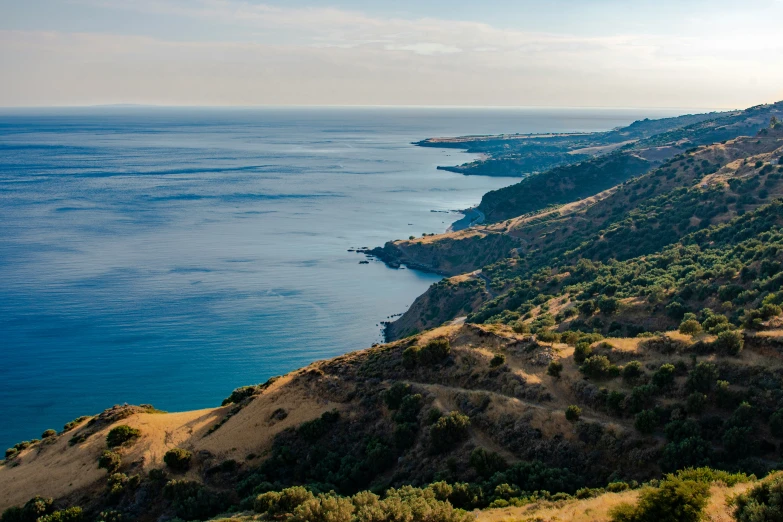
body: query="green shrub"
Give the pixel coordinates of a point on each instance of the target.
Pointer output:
(702, 378)
(709, 475)
(763, 503)
(729, 343)
(776, 424)
(178, 459)
(431, 353)
(409, 409)
(582, 351)
(664, 376)
(675, 500)
(632, 371)
(434, 351)
(394, 395)
(324, 508)
(317, 428)
(521, 328)
(48, 434)
(573, 412)
(75, 422)
(498, 360)
(597, 367)
(696, 403)
(240, 394)
(547, 336)
(121, 435)
(554, 369)
(194, 501)
(110, 461)
(646, 421)
(72, 514)
(487, 463)
(32, 510)
(690, 327)
(448, 430)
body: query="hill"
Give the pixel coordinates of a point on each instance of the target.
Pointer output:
(600, 358)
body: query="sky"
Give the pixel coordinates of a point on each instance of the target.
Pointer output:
(553, 53)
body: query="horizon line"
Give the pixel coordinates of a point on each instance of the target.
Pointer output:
(357, 106)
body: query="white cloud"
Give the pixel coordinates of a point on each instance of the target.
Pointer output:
(330, 56)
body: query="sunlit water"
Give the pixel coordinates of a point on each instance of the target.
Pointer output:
(167, 256)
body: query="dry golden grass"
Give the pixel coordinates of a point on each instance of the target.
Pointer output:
(57, 469)
(598, 509)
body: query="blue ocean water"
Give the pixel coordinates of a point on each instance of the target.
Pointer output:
(167, 256)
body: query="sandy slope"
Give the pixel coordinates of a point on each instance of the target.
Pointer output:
(55, 469)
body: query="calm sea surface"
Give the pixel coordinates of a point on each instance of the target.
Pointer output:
(167, 256)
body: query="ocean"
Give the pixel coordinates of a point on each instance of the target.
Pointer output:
(167, 256)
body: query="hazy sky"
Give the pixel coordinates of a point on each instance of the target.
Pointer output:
(597, 53)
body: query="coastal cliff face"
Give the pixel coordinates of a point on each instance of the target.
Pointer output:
(444, 301)
(449, 254)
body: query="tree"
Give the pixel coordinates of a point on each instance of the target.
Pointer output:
(448, 430)
(608, 305)
(690, 327)
(597, 366)
(729, 343)
(632, 371)
(646, 421)
(573, 413)
(498, 360)
(664, 377)
(675, 500)
(121, 435)
(110, 461)
(178, 459)
(702, 378)
(555, 369)
(764, 503)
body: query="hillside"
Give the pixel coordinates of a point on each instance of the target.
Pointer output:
(599, 359)
(708, 184)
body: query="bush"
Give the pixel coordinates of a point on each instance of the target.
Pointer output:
(431, 353)
(324, 508)
(448, 430)
(498, 360)
(582, 351)
(729, 343)
(434, 351)
(32, 510)
(48, 434)
(763, 503)
(675, 500)
(664, 377)
(394, 395)
(194, 501)
(110, 461)
(487, 463)
(573, 412)
(121, 435)
(597, 367)
(702, 378)
(632, 371)
(72, 514)
(548, 336)
(555, 369)
(690, 327)
(646, 421)
(776, 424)
(696, 403)
(178, 459)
